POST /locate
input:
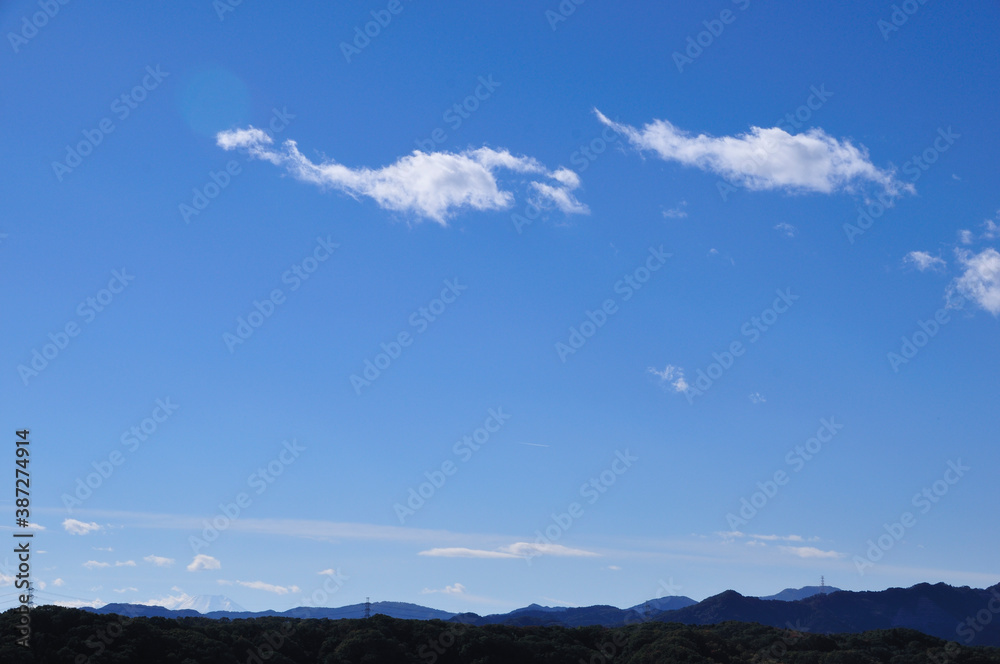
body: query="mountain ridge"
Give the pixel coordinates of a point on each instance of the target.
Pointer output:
(962, 614)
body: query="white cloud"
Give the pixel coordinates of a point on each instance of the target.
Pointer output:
(965, 237)
(159, 561)
(126, 563)
(810, 552)
(763, 159)
(456, 589)
(462, 552)
(673, 375)
(125, 590)
(277, 590)
(435, 185)
(731, 535)
(678, 212)
(981, 280)
(93, 564)
(516, 550)
(80, 603)
(58, 583)
(757, 397)
(170, 601)
(924, 261)
(787, 229)
(202, 561)
(992, 231)
(35, 526)
(614, 568)
(74, 527)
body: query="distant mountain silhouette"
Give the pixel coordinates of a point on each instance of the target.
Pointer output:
(969, 616)
(938, 610)
(793, 594)
(392, 609)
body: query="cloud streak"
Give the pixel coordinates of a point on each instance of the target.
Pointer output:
(515, 550)
(434, 185)
(767, 159)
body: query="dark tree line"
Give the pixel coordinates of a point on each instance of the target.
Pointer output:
(72, 636)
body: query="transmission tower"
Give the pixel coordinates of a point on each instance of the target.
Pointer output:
(822, 584)
(368, 608)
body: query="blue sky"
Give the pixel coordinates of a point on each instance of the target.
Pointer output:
(653, 261)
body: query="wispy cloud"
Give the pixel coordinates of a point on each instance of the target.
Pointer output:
(677, 212)
(991, 228)
(924, 261)
(93, 564)
(455, 589)
(516, 550)
(757, 397)
(159, 561)
(673, 375)
(435, 185)
(786, 229)
(810, 552)
(766, 159)
(267, 587)
(126, 590)
(202, 561)
(74, 527)
(980, 282)
(731, 535)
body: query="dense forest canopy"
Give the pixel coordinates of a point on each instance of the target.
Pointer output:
(62, 635)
